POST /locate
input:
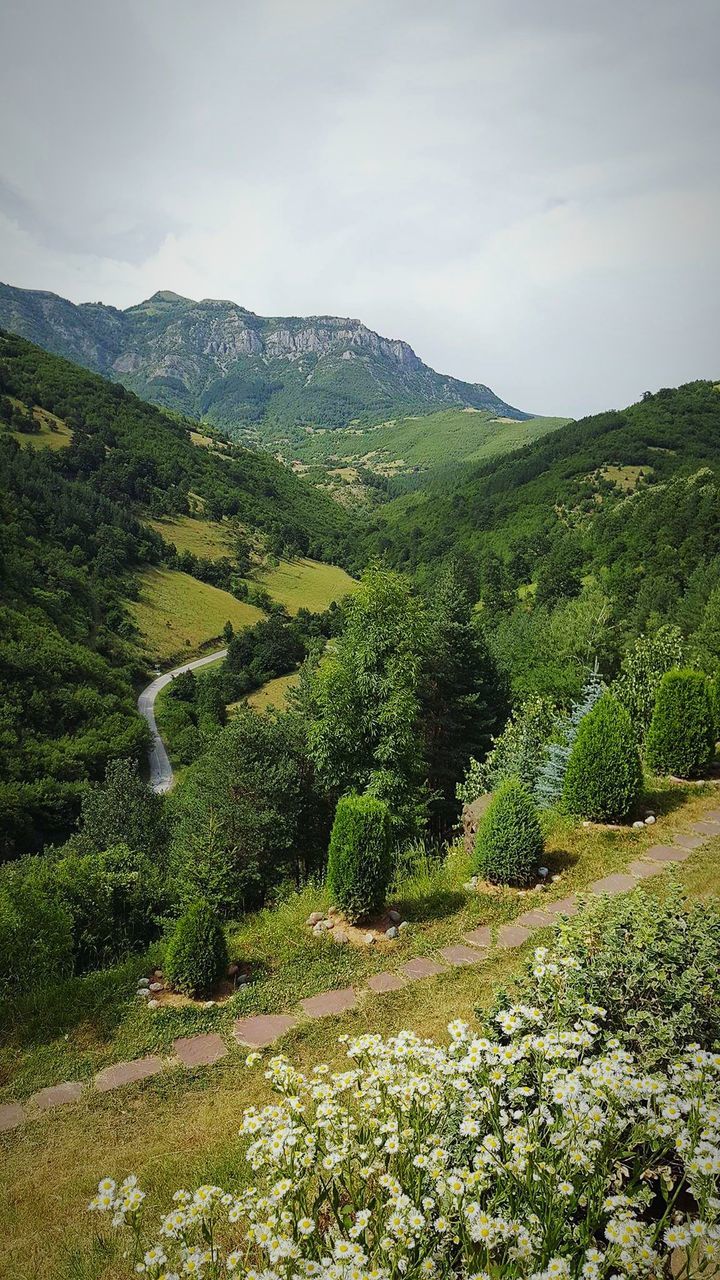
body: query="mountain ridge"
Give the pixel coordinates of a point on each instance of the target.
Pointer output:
(224, 364)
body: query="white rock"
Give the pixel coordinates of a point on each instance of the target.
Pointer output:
(370, 939)
(153, 1004)
(650, 820)
(638, 826)
(556, 877)
(391, 932)
(319, 927)
(586, 823)
(394, 917)
(404, 924)
(143, 994)
(209, 1004)
(143, 982)
(242, 979)
(156, 986)
(470, 886)
(543, 871)
(314, 918)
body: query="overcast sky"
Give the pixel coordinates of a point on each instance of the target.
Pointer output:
(527, 191)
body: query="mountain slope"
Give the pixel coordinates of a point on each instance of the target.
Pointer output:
(218, 362)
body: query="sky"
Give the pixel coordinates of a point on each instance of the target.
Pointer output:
(526, 191)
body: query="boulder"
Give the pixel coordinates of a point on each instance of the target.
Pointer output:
(392, 932)
(143, 982)
(394, 917)
(156, 986)
(339, 935)
(370, 939)
(472, 815)
(650, 820)
(319, 927)
(314, 918)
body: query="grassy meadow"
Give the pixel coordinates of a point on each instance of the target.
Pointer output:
(272, 694)
(207, 539)
(305, 584)
(177, 614)
(54, 434)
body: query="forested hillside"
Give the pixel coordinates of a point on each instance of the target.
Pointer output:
(75, 537)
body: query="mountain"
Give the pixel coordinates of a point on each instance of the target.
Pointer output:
(217, 362)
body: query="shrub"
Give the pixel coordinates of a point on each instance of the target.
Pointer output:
(681, 737)
(509, 841)
(714, 691)
(517, 752)
(535, 1153)
(551, 777)
(651, 965)
(36, 946)
(196, 955)
(643, 667)
(604, 774)
(359, 864)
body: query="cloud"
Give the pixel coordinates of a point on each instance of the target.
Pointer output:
(526, 193)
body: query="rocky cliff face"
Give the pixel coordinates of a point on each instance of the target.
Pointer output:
(219, 362)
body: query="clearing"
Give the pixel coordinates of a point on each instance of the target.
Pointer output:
(53, 434)
(207, 539)
(177, 614)
(305, 584)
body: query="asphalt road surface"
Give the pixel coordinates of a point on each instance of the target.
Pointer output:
(161, 774)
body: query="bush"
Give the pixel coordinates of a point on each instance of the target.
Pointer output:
(681, 737)
(650, 965)
(517, 752)
(359, 864)
(36, 945)
(643, 667)
(509, 842)
(604, 774)
(197, 954)
(536, 1153)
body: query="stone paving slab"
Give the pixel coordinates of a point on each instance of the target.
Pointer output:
(11, 1115)
(643, 870)
(712, 815)
(127, 1073)
(57, 1095)
(667, 853)
(460, 954)
(535, 919)
(481, 937)
(512, 935)
(382, 982)
(707, 828)
(263, 1029)
(200, 1051)
(563, 907)
(690, 842)
(329, 1002)
(421, 967)
(613, 884)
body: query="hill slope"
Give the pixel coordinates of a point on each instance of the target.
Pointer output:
(216, 361)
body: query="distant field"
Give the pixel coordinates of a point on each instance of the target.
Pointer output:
(429, 442)
(306, 584)
(54, 433)
(177, 614)
(272, 694)
(207, 539)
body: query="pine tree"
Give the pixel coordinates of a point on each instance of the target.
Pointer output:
(551, 779)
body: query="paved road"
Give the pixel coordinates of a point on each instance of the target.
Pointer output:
(161, 774)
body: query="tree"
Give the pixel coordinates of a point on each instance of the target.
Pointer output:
(706, 640)
(122, 810)
(681, 737)
(604, 775)
(509, 842)
(550, 781)
(643, 667)
(246, 815)
(359, 862)
(363, 704)
(197, 955)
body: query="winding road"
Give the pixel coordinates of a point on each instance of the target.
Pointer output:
(161, 773)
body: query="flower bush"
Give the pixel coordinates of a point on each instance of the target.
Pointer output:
(540, 1152)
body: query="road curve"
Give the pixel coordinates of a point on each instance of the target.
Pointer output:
(161, 774)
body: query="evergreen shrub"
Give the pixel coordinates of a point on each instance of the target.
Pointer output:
(197, 954)
(604, 774)
(509, 842)
(359, 862)
(681, 737)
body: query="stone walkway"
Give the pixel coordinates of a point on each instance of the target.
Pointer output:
(262, 1030)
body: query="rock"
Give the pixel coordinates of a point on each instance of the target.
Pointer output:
(233, 970)
(314, 918)
(333, 911)
(394, 917)
(638, 826)
(156, 986)
(650, 820)
(543, 872)
(242, 979)
(320, 927)
(158, 973)
(370, 939)
(391, 932)
(143, 994)
(586, 823)
(339, 935)
(470, 886)
(153, 1004)
(143, 982)
(209, 1004)
(556, 877)
(404, 924)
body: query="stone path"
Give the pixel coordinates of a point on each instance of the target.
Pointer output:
(262, 1030)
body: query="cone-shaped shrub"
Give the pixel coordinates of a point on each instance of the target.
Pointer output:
(359, 863)
(196, 955)
(509, 842)
(681, 737)
(604, 774)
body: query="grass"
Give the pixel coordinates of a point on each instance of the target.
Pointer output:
(272, 694)
(207, 539)
(306, 584)
(177, 615)
(53, 434)
(180, 1129)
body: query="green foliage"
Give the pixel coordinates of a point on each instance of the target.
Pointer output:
(246, 816)
(548, 788)
(509, 842)
(651, 965)
(681, 737)
(36, 944)
(122, 810)
(643, 667)
(705, 642)
(359, 862)
(197, 955)
(515, 753)
(604, 774)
